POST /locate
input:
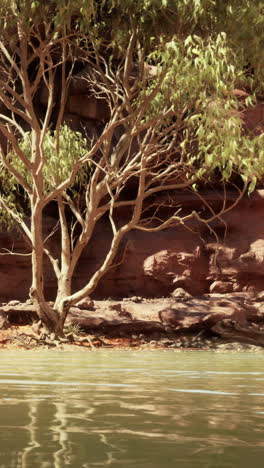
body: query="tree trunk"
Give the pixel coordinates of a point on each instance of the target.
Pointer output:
(48, 316)
(64, 278)
(61, 305)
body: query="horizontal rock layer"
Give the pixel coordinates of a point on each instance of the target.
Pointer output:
(235, 319)
(154, 265)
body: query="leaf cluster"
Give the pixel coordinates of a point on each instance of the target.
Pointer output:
(59, 154)
(64, 15)
(202, 50)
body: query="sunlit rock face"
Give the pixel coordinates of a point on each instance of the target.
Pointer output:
(154, 265)
(253, 118)
(157, 264)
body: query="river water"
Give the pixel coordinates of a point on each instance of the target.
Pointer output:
(131, 409)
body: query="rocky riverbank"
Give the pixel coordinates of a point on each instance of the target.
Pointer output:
(232, 322)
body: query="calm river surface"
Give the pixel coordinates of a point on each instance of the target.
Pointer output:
(131, 409)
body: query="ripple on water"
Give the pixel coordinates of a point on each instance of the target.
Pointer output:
(121, 409)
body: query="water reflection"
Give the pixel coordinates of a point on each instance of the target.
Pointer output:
(106, 409)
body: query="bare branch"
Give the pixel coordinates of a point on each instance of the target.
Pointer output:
(16, 218)
(73, 208)
(54, 262)
(15, 109)
(54, 229)
(10, 59)
(12, 121)
(17, 254)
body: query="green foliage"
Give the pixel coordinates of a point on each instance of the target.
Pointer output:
(59, 156)
(223, 147)
(9, 195)
(197, 70)
(156, 21)
(64, 15)
(200, 76)
(159, 20)
(206, 48)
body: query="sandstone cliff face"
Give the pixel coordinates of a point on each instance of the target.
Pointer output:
(156, 264)
(153, 265)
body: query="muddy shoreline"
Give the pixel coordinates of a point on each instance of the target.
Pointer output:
(231, 322)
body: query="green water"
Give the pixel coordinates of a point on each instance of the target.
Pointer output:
(131, 409)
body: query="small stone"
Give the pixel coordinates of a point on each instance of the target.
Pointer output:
(125, 314)
(180, 292)
(166, 342)
(63, 340)
(260, 297)
(222, 346)
(136, 299)
(221, 287)
(86, 304)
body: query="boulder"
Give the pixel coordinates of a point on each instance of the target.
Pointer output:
(86, 304)
(221, 287)
(177, 318)
(205, 313)
(224, 309)
(180, 292)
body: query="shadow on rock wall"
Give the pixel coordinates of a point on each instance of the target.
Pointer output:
(153, 265)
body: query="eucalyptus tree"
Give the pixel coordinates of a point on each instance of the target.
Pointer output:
(165, 76)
